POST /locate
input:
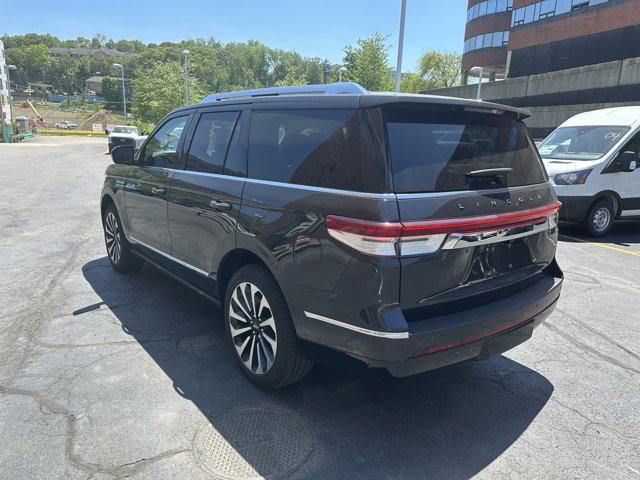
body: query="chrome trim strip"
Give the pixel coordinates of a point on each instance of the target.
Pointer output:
(207, 174)
(465, 240)
(160, 252)
(364, 331)
(381, 196)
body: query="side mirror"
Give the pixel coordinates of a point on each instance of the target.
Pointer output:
(627, 162)
(122, 155)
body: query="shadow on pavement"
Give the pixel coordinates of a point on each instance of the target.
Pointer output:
(446, 424)
(625, 233)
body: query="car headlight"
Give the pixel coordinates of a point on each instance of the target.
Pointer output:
(572, 178)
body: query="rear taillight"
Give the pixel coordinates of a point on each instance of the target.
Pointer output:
(390, 239)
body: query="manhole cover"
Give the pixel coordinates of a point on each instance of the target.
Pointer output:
(253, 443)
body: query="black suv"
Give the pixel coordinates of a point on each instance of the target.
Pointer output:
(407, 232)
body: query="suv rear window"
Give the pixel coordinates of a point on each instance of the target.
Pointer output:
(436, 150)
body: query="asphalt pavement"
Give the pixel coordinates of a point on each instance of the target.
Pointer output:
(110, 376)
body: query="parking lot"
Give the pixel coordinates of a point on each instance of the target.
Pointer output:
(110, 376)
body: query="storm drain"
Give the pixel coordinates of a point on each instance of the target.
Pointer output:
(253, 443)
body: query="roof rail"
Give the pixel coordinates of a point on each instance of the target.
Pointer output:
(324, 89)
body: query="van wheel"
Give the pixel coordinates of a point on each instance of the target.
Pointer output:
(261, 330)
(599, 220)
(118, 248)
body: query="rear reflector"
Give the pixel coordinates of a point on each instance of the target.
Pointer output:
(482, 336)
(390, 239)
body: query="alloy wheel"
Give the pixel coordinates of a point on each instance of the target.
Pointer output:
(601, 219)
(252, 327)
(112, 237)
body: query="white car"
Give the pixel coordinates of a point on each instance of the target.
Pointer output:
(591, 160)
(123, 135)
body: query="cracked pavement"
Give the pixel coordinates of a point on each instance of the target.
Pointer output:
(108, 376)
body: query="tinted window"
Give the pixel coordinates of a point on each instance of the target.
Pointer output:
(581, 143)
(161, 149)
(433, 150)
(308, 147)
(210, 142)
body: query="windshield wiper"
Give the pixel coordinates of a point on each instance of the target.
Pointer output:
(490, 172)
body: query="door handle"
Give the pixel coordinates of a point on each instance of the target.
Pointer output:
(220, 206)
(158, 191)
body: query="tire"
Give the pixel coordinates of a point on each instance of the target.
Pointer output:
(599, 219)
(267, 350)
(118, 248)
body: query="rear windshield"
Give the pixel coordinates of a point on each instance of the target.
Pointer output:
(125, 130)
(444, 150)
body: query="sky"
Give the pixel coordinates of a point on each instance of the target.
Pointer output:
(313, 28)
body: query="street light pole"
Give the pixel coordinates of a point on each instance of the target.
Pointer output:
(186, 54)
(10, 67)
(403, 12)
(124, 93)
(340, 72)
(480, 72)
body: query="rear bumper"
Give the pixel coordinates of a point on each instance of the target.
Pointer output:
(443, 340)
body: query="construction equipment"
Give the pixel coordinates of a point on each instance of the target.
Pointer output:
(27, 104)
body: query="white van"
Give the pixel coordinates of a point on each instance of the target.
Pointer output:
(591, 160)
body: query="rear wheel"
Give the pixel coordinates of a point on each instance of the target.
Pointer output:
(118, 248)
(261, 330)
(599, 220)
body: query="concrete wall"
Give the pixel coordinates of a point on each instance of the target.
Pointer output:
(603, 77)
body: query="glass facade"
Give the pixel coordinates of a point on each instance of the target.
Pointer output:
(488, 7)
(487, 40)
(549, 8)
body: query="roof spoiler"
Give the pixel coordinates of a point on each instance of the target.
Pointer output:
(323, 89)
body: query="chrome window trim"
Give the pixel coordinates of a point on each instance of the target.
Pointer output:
(208, 174)
(354, 328)
(380, 196)
(160, 252)
(383, 196)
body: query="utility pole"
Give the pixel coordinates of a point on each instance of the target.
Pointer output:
(403, 12)
(124, 93)
(186, 54)
(9, 68)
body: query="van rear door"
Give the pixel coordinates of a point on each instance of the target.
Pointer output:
(478, 212)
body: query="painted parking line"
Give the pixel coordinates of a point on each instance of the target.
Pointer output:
(102, 153)
(602, 245)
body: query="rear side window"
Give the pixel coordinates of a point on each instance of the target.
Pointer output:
(211, 142)
(443, 150)
(321, 148)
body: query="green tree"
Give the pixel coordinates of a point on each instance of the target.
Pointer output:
(367, 63)
(112, 92)
(440, 69)
(412, 83)
(160, 89)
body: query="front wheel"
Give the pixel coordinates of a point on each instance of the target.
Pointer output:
(599, 220)
(261, 330)
(118, 248)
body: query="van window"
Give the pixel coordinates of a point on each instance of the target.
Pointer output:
(210, 142)
(581, 143)
(320, 148)
(435, 150)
